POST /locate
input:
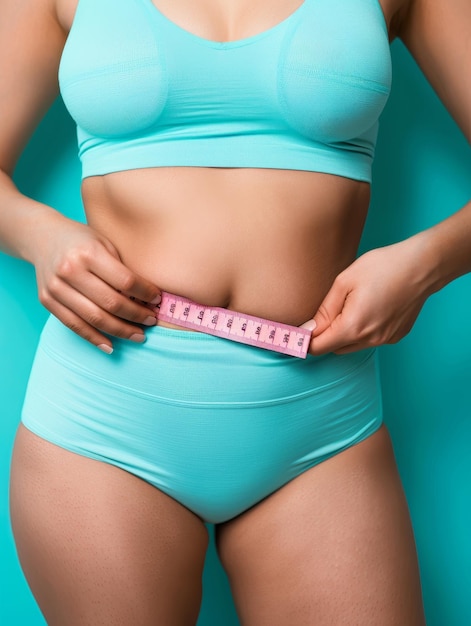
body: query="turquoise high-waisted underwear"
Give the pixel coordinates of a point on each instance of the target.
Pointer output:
(217, 425)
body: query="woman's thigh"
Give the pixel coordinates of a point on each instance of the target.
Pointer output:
(333, 546)
(99, 545)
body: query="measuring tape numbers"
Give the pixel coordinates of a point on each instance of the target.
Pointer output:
(239, 327)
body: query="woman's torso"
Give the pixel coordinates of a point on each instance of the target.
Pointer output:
(268, 242)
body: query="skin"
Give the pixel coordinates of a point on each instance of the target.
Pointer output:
(87, 275)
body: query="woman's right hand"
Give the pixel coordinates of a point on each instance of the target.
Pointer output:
(83, 282)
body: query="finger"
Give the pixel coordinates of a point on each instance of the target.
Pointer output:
(310, 325)
(334, 338)
(110, 300)
(331, 307)
(340, 335)
(81, 328)
(353, 347)
(122, 279)
(94, 316)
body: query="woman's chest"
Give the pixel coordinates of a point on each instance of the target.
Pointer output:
(324, 70)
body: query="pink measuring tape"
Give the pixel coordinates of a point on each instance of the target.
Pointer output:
(239, 327)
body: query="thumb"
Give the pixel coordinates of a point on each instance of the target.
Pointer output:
(330, 308)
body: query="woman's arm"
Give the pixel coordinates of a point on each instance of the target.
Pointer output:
(377, 299)
(438, 35)
(80, 276)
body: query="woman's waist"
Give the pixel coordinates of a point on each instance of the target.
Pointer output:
(264, 253)
(288, 292)
(229, 210)
(282, 280)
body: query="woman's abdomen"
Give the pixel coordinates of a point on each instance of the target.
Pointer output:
(263, 242)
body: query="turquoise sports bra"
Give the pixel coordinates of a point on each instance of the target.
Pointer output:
(305, 94)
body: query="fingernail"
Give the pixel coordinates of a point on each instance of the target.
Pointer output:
(310, 325)
(138, 338)
(105, 348)
(150, 321)
(156, 300)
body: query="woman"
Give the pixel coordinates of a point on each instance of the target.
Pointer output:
(226, 155)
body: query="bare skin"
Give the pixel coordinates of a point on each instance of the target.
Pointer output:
(333, 546)
(217, 235)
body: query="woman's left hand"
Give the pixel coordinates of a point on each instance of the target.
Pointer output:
(374, 301)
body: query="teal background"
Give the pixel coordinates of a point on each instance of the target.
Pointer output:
(422, 174)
